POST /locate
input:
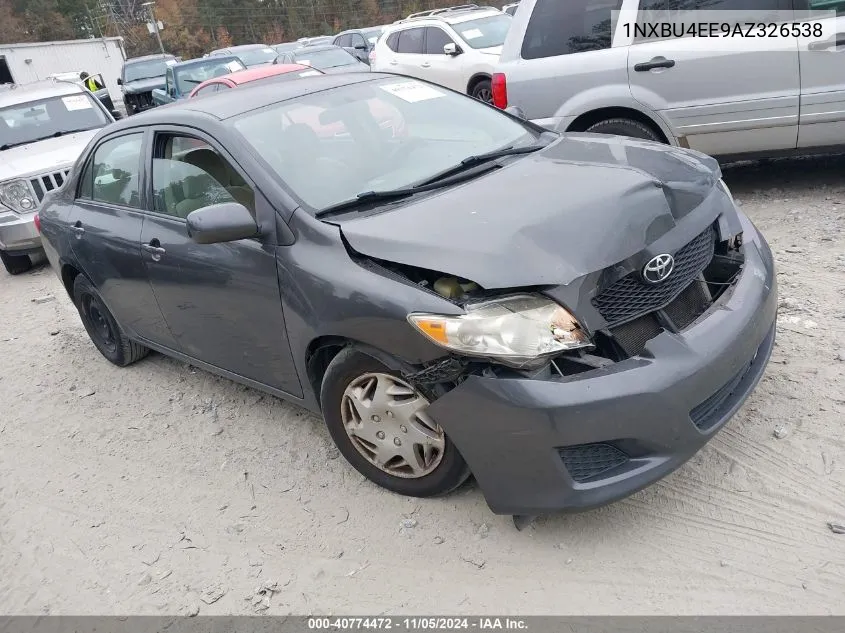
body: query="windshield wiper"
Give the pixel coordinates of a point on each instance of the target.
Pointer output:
(44, 138)
(480, 159)
(395, 194)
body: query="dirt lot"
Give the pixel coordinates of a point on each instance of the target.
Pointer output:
(163, 489)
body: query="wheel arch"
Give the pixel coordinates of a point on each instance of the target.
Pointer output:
(476, 79)
(588, 119)
(69, 273)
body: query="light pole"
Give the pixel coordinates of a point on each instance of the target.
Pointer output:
(150, 6)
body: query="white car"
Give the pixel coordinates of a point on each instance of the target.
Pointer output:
(457, 47)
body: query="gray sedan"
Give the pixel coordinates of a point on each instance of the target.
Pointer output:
(329, 59)
(568, 318)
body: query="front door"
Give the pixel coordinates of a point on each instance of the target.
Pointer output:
(734, 96)
(823, 78)
(106, 225)
(221, 301)
(441, 68)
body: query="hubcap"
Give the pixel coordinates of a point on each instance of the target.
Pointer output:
(386, 420)
(485, 94)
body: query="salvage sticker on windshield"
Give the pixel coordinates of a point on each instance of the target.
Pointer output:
(473, 34)
(234, 67)
(76, 102)
(412, 91)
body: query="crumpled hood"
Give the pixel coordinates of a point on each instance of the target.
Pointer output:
(43, 157)
(143, 85)
(582, 204)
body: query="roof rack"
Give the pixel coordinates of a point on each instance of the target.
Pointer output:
(445, 11)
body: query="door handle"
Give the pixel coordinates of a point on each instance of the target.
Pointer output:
(820, 45)
(154, 249)
(77, 230)
(657, 62)
(425, 65)
(393, 62)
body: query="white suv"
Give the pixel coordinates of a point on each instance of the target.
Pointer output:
(456, 47)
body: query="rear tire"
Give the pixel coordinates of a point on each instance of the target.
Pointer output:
(102, 328)
(15, 264)
(625, 127)
(437, 476)
(483, 91)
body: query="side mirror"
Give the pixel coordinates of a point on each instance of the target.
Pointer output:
(116, 115)
(360, 47)
(119, 81)
(452, 49)
(516, 111)
(220, 223)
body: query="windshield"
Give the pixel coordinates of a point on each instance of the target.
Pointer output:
(372, 35)
(191, 76)
(45, 118)
(256, 56)
(390, 133)
(325, 58)
(485, 32)
(146, 70)
(288, 46)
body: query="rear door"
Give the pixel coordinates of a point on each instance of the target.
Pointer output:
(722, 98)
(221, 301)
(823, 78)
(106, 224)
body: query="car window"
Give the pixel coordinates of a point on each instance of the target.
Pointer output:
(116, 171)
(190, 76)
(356, 39)
(562, 28)
(189, 174)
(435, 40)
(372, 35)
(322, 59)
(342, 40)
(485, 32)
(411, 41)
(168, 80)
(392, 41)
(821, 5)
(256, 56)
(378, 135)
(146, 70)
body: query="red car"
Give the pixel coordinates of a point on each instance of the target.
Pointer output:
(233, 80)
(388, 119)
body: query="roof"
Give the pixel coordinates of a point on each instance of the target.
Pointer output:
(241, 47)
(61, 43)
(452, 15)
(149, 58)
(262, 72)
(230, 103)
(316, 48)
(37, 90)
(364, 29)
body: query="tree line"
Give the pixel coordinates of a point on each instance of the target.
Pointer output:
(193, 27)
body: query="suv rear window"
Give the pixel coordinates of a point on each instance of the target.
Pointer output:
(574, 26)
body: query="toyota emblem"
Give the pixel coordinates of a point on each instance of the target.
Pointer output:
(659, 268)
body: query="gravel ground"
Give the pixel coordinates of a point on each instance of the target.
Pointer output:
(162, 489)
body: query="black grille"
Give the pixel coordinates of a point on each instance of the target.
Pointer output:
(630, 298)
(633, 336)
(591, 460)
(141, 100)
(48, 182)
(689, 305)
(705, 415)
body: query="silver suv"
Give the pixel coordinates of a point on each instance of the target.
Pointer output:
(44, 126)
(564, 61)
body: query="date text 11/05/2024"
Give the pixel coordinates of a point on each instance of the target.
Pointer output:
(416, 623)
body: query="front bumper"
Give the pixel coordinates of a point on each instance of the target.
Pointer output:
(18, 234)
(516, 433)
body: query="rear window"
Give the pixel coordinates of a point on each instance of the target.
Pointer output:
(562, 28)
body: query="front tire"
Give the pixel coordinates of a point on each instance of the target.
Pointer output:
(378, 422)
(625, 127)
(15, 264)
(102, 328)
(483, 91)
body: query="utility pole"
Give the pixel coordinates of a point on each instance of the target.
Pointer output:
(149, 6)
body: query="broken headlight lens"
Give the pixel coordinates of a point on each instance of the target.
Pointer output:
(16, 195)
(516, 329)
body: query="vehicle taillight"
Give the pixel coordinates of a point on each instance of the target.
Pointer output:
(37, 222)
(500, 90)
(372, 56)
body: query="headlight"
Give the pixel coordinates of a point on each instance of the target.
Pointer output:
(516, 329)
(17, 195)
